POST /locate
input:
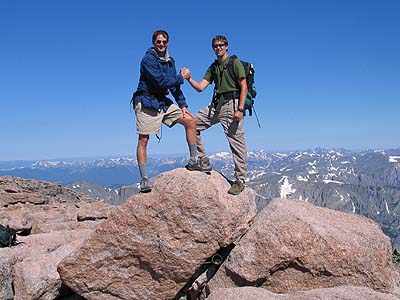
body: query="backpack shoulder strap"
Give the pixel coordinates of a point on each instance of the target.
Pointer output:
(213, 67)
(213, 71)
(229, 66)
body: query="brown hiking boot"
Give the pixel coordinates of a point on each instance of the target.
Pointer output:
(193, 165)
(202, 165)
(205, 164)
(236, 188)
(145, 186)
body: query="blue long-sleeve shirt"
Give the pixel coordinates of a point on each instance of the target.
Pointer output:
(158, 77)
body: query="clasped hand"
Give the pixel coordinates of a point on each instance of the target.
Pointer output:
(186, 73)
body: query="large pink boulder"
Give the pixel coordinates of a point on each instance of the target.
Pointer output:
(295, 246)
(151, 247)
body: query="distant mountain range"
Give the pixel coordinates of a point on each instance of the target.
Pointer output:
(366, 182)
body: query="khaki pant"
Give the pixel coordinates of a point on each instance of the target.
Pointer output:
(234, 132)
(148, 121)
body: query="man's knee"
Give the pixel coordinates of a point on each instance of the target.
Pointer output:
(192, 123)
(189, 122)
(143, 140)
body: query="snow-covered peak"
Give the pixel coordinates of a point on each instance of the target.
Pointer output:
(221, 155)
(48, 164)
(261, 154)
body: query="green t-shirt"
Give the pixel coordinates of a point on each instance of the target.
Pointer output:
(225, 83)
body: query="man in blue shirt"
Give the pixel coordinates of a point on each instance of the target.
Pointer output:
(158, 78)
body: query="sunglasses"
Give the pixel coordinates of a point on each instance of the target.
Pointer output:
(215, 46)
(158, 42)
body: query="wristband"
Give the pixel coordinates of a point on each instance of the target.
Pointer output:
(241, 110)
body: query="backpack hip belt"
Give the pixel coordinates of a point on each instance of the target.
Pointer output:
(228, 95)
(223, 98)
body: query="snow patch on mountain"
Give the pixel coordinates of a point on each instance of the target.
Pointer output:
(312, 163)
(301, 198)
(280, 155)
(387, 207)
(340, 195)
(311, 172)
(283, 169)
(383, 152)
(262, 154)
(221, 155)
(301, 178)
(394, 159)
(297, 157)
(286, 189)
(332, 181)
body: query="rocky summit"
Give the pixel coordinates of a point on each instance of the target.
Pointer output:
(51, 222)
(304, 247)
(151, 247)
(32, 206)
(188, 240)
(361, 182)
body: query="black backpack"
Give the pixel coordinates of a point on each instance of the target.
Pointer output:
(8, 236)
(252, 92)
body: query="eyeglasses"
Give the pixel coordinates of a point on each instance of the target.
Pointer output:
(215, 46)
(158, 42)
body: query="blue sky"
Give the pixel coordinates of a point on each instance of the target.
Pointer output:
(327, 72)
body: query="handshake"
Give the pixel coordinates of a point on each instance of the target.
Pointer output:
(186, 73)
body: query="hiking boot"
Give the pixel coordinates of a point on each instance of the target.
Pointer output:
(236, 188)
(193, 165)
(204, 163)
(145, 186)
(198, 166)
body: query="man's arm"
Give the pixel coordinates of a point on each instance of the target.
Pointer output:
(237, 116)
(243, 92)
(198, 86)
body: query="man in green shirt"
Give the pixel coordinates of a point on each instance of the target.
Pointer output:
(227, 108)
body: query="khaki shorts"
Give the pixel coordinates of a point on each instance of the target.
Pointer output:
(148, 121)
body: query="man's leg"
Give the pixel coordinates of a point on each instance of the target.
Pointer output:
(141, 154)
(234, 132)
(205, 118)
(175, 115)
(189, 123)
(147, 122)
(239, 152)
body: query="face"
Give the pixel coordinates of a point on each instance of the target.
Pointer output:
(160, 44)
(220, 48)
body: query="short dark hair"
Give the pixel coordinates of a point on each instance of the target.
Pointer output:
(219, 38)
(162, 32)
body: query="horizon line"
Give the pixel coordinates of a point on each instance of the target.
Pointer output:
(180, 154)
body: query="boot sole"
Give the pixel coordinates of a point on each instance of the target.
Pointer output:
(203, 171)
(235, 193)
(145, 190)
